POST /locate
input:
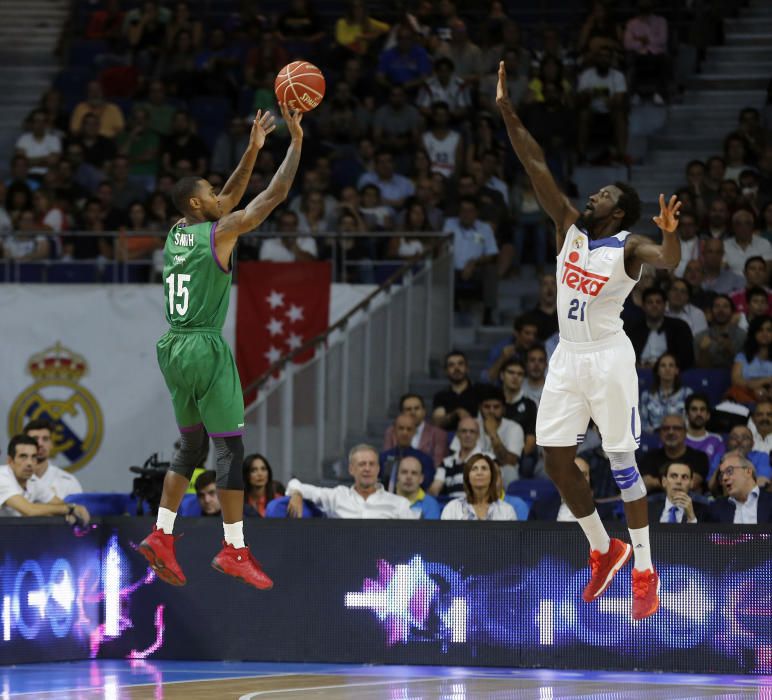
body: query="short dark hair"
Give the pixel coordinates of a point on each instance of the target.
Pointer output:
(695, 162)
(538, 347)
(444, 61)
(753, 258)
(630, 203)
(204, 479)
(697, 396)
(183, 191)
(20, 439)
(651, 291)
(663, 470)
(490, 392)
(468, 200)
(525, 320)
(684, 283)
(512, 362)
(407, 396)
(454, 353)
(755, 292)
(723, 296)
(38, 424)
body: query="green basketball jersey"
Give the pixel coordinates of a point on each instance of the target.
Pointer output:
(197, 287)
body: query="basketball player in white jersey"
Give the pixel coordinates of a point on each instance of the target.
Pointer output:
(592, 371)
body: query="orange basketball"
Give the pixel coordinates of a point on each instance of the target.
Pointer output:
(301, 85)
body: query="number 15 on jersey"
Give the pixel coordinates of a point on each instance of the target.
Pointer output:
(178, 291)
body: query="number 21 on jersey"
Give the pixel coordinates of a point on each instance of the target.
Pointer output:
(178, 291)
(575, 311)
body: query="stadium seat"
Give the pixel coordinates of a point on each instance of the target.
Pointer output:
(84, 52)
(645, 379)
(189, 507)
(531, 489)
(712, 382)
(72, 273)
(104, 503)
(31, 272)
(521, 507)
(649, 441)
(278, 509)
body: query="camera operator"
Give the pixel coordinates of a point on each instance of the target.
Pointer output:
(23, 495)
(148, 486)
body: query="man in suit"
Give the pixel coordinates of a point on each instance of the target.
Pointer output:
(676, 505)
(656, 333)
(745, 503)
(428, 438)
(553, 508)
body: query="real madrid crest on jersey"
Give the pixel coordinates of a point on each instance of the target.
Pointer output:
(57, 396)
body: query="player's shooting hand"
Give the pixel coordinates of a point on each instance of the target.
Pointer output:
(261, 127)
(668, 214)
(502, 91)
(292, 119)
(295, 506)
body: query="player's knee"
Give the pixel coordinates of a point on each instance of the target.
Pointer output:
(230, 458)
(558, 462)
(626, 475)
(192, 453)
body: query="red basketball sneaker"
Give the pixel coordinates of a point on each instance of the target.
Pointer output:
(645, 593)
(603, 568)
(240, 564)
(158, 549)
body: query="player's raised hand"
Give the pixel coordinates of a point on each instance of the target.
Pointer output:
(261, 127)
(502, 91)
(292, 120)
(668, 214)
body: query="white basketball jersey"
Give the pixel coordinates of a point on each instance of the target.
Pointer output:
(592, 286)
(442, 153)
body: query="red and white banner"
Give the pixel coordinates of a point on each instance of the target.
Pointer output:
(280, 307)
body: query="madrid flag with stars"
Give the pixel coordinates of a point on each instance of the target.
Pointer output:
(280, 307)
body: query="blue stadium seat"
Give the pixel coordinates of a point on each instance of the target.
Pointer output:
(189, 507)
(645, 379)
(72, 273)
(31, 272)
(531, 489)
(278, 509)
(84, 52)
(712, 382)
(104, 503)
(649, 441)
(521, 507)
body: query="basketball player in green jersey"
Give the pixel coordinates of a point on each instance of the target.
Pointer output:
(195, 360)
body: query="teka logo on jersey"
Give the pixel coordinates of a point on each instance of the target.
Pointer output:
(579, 279)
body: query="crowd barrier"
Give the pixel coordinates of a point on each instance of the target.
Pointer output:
(483, 594)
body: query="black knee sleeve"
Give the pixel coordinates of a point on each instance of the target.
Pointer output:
(192, 452)
(229, 453)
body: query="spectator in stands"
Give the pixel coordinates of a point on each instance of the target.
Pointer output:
(443, 144)
(676, 505)
(761, 426)
(475, 252)
(757, 300)
(49, 215)
(717, 346)
(740, 439)
(465, 55)
(60, 482)
(206, 493)
(230, 146)
(98, 150)
(20, 175)
(259, 485)
(679, 306)
(449, 477)
(545, 313)
(524, 336)
(756, 276)
(365, 499)
(26, 243)
(393, 187)
(184, 144)
(735, 156)
(745, 503)
(602, 97)
(39, 144)
(109, 116)
(356, 30)
(696, 172)
(460, 399)
(716, 277)
(600, 30)
(161, 112)
(137, 247)
(414, 221)
(743, 244)
(409, 478)
(114, 218)
(766, 220)
(689, 240)
(481, 493)
(752, 368)
(288, 247)
(93, 246)
(377, 215)
(552, 47)
(444, 85)
(535, 372)
(428, 438)
(125, 189)
(312, 219)
(554, 508)
(300, 28)
(141, 146)
(656, 333)
(5, 219)
(517, 82)
(404, 432)
(518, 407)
(145, 32)
(23, 495)
(697, 436)
(397, 124)
(666, 396)
(106, 23)
(550, 73)
(672, 433)
(646, 39)
(407, 64)
(718, 220)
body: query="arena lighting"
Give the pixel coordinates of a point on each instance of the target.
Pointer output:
(111, 585)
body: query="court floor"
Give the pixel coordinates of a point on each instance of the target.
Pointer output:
(191, 680)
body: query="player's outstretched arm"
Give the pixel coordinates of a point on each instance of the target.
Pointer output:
(230, 227)
(640, 249)
(530, 154)
(234, 188)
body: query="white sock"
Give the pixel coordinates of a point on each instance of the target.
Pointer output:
(595, 532)
(165, 520)
(234, 534)
(641, 548)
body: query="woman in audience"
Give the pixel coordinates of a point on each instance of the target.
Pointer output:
(413, 220)
(356, 30)
(666, 395)
(482, 486)
(752, 369)
(259, 486)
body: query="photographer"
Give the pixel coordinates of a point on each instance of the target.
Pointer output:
(23, 495)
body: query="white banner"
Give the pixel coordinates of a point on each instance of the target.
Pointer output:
(84, 355)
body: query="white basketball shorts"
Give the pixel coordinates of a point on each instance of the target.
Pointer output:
(591, 380)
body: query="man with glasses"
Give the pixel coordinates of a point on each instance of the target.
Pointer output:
(672, 433)
(745, 503)
(740, 439)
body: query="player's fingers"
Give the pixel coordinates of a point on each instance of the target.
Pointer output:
(673, 200)
(676, 207)
(259, 115)
(661, 201)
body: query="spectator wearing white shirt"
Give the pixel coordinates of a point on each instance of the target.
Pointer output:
(689, 240)
(288, 248)
(443, 144)
(445, 86)
(365, 499)
(679, 306)
(482, 487)
(60, 482)
(394, 188)
(743, 244)
(761, 426)
(39, 145)
(22, 495)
